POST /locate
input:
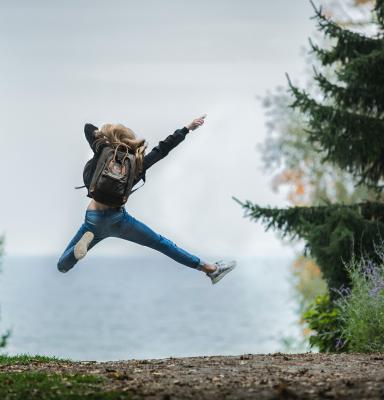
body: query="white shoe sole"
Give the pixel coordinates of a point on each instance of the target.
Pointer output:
(221, 276)
(81, 247)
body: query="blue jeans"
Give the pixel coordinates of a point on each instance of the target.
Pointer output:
(117, 222)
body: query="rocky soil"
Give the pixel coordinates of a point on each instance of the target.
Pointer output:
(273, 376)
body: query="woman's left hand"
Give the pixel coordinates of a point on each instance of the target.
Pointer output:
(196, 123)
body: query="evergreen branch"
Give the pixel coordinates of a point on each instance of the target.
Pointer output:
(349, 139)
(356, 98)
(318, 11)
(349, 44)
(332, 29)
(379, 10)
(305, 103)
(346, 49)
(296, 93)
(357, 68)
(238, 201)
(333, 233)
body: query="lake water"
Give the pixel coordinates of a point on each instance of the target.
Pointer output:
(124, 308)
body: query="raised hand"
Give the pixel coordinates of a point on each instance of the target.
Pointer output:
(196, 123)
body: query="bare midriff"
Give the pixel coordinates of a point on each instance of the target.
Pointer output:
(95, 205)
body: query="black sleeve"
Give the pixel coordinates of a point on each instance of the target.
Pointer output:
(161, 150)
(89, 131)
(164, 147)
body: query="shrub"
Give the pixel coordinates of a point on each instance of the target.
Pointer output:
(323, 318)
(362, 307)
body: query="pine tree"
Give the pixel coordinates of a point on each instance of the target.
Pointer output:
(345, 125)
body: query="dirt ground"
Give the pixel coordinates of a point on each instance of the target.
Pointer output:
(273, 376)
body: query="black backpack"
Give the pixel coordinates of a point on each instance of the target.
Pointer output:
(113, 176)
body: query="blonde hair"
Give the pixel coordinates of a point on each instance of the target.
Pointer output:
(115, 134)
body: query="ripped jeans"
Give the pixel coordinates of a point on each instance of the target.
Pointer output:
(117, 222)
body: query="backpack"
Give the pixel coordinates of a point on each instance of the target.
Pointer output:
(113, 176)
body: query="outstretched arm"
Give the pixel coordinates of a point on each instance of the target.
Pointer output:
(166, 145)
(171, 141)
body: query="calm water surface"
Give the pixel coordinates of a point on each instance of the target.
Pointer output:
(121, 308)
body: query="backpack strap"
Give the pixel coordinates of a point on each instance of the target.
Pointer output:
(126, 151)
(132, 163)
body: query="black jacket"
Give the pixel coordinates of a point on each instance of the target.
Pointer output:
(155, 155)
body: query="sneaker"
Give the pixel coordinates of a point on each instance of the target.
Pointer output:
(81, 247)
(222, 269)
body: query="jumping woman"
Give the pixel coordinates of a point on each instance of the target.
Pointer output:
(119, 162)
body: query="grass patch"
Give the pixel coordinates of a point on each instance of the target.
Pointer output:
(25, 359)
(41, 386)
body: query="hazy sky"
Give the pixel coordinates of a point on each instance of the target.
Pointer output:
(154, 66)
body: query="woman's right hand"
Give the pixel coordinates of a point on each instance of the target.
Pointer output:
(196, 123)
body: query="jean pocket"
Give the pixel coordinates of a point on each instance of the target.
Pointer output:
(116, 221)
(93, 218)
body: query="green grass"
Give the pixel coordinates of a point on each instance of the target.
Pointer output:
(25, 359)
(41, 386)
(29, 385)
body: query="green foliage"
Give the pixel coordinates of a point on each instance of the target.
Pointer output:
(323, 318)
(348, 45)
(347, 124)
(362, 307)
(42, 386)
(349, 139)
(299, 164)
(344, 124)
(354, 322)
(327, 138)
(287, 147)
(332, 233)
